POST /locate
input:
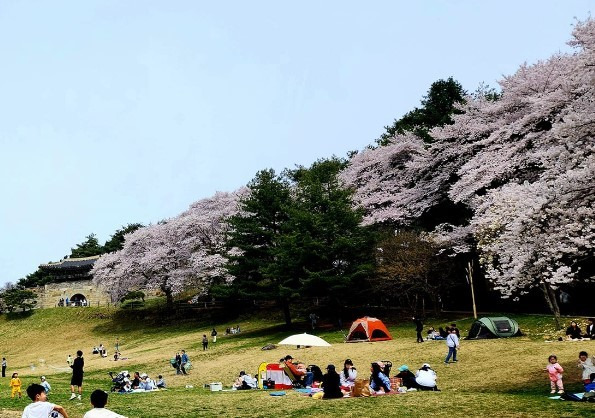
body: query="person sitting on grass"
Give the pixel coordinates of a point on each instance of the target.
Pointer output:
(40, 407)
(99, 400)
(348, 374)
(573, 332)
(244, 382)
(136, 381)
(587, 364)
(302, 376)
(331, 383)
(407, 377)
(160, 382)
(379, 382)
(425, 378)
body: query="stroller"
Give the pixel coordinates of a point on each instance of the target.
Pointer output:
(120, 381)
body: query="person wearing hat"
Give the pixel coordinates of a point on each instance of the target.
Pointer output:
(331, 383)
(348, 375)
(426, 378)
(46, 385)
(303, 376)
(407, 377)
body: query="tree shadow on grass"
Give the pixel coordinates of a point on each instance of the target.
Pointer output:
(11, 316)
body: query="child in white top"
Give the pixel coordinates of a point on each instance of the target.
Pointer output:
(40, 408)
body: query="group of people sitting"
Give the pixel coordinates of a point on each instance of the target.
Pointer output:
(123, 382)
(233, 330)
(100, 350)
(573, 332)
(442, 333)
(337, 384)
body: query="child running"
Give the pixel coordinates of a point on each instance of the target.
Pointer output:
(555, 371)
(15, 385)
(40, 407)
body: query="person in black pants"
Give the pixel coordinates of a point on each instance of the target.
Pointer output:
(3, 366)
(77, 375)
(419, 327)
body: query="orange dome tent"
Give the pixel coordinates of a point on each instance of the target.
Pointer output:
(368, 329)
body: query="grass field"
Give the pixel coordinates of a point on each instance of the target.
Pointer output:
(496, 378)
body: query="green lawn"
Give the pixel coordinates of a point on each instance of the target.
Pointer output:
(497, 378)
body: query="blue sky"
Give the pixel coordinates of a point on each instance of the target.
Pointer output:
(114, 112)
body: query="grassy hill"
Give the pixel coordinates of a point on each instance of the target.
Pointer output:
(500, 378)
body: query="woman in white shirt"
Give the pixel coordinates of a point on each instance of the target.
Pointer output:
(348, 374)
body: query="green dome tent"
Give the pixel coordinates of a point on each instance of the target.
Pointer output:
(494, 327)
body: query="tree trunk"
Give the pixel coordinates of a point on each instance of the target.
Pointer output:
(550, 298)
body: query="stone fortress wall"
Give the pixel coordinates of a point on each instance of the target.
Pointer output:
(49, 294)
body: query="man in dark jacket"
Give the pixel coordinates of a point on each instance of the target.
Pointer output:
(419, 327)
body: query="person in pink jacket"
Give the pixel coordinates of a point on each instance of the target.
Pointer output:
(555, 371)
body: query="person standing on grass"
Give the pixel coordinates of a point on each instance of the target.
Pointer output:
(184, 361)
(452, 342)
(205, 342)
(77, 375)
(40, 407)
(15, 386)
(3, 366)
(555, 372)
(419, 327)
(214, 335)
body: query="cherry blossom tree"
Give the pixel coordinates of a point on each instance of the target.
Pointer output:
(521, 163)
(179, 253)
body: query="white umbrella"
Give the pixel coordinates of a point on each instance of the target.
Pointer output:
(305, 339)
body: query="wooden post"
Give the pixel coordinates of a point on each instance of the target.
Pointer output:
(469, 270)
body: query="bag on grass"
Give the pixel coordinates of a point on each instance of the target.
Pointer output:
(358, 387)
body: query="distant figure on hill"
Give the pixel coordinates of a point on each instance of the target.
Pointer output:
(178, 363)
(313, 318)
(185, 360)
(205, 342)
(4, 366)
(214, 335)
(419, 327)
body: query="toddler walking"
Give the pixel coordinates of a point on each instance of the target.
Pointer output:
(555, 371)
(15, 385)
